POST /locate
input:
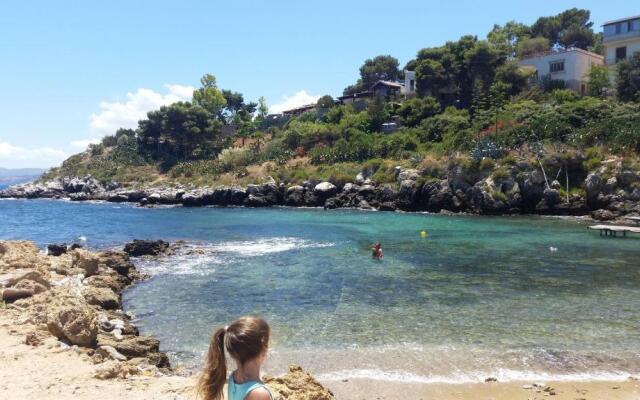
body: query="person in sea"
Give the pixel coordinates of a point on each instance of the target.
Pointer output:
(246, 342)
(376, 251)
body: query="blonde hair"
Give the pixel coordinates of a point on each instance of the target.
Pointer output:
(244, 340)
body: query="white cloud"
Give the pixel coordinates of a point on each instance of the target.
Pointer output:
(84, 143)
(20, 157)
(114, 115)
(302, 98)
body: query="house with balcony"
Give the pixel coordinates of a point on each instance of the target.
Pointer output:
(571, 66)
(621, 39)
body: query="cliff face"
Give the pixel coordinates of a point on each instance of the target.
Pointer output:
(610, 191)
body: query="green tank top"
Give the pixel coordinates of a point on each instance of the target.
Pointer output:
(238, 391)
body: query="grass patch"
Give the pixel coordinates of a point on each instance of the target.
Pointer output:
(500, 196)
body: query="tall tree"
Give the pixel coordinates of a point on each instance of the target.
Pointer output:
(263, 109)
(383, 68)
(628, 79)
(570, 28)
(506, 37)
(209, 96)
(598, 80)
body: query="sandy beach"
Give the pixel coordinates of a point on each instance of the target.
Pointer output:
(49, 372)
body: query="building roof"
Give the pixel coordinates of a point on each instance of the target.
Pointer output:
(300, 109)
(395, 85)
(555, 53)
(615, 21)
(356, 95)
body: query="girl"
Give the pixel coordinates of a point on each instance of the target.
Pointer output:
(246, 341)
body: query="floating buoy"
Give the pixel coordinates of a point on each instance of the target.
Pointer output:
(424, 234)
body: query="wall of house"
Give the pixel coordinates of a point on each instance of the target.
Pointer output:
(576, 67)
(633, 46)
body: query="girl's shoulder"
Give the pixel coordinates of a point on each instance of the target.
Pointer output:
(260, 392)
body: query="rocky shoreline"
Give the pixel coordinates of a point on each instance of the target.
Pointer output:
(77, 295)
(606, 194)
(74, 296)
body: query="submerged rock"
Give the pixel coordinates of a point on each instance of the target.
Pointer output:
(139, 248)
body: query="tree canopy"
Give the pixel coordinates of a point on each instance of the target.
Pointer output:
(384, 67)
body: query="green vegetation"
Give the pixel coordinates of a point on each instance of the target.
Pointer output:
(475, 109)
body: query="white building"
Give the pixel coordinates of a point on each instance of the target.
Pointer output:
(621, 39)
(571, 66)
(409, 86)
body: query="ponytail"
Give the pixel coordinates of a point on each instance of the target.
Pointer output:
(214, 375)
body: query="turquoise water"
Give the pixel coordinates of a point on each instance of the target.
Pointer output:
(515, 298)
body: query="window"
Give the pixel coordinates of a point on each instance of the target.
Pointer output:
(556, 66)
(412, 85)
(621, 53)
(630, 26)
(618, 29)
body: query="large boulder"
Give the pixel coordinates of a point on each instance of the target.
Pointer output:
(256, 201)
(237, 196)
(297, 385)
(138, 248)
(71, 318)
(86, 261)
(102, 297)
(294, 196)
(116, 260)
(325, 189)
(407, 174)
(593, 186)
(22, 255)
(136, 346)
(197, 198)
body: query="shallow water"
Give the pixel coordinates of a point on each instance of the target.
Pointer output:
(479, 296)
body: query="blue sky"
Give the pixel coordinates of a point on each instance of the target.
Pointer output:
(71, 71)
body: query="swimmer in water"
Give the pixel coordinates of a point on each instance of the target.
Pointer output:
(376, 251)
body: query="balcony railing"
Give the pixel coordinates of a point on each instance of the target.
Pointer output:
(621, 36)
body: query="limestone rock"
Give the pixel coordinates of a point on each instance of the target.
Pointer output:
(132, 346)
(71, 318)
(86, 261)
(115, 369)
(108, 352)
(118, 261)
(297, 385)
(102, 297)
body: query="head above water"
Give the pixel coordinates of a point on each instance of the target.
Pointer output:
(245, 340)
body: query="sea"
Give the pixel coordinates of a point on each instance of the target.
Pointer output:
(515, 298)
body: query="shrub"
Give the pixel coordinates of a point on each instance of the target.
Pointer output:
(232, 158)
(487, 164)
(413, 111)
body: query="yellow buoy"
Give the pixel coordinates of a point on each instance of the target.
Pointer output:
(423, 234)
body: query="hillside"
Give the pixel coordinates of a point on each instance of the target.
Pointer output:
(477, 119)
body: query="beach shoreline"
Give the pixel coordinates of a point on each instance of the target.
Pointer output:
(48, 372)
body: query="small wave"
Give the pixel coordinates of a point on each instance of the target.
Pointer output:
(254, 248)
(503, 375)
(202, 259)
